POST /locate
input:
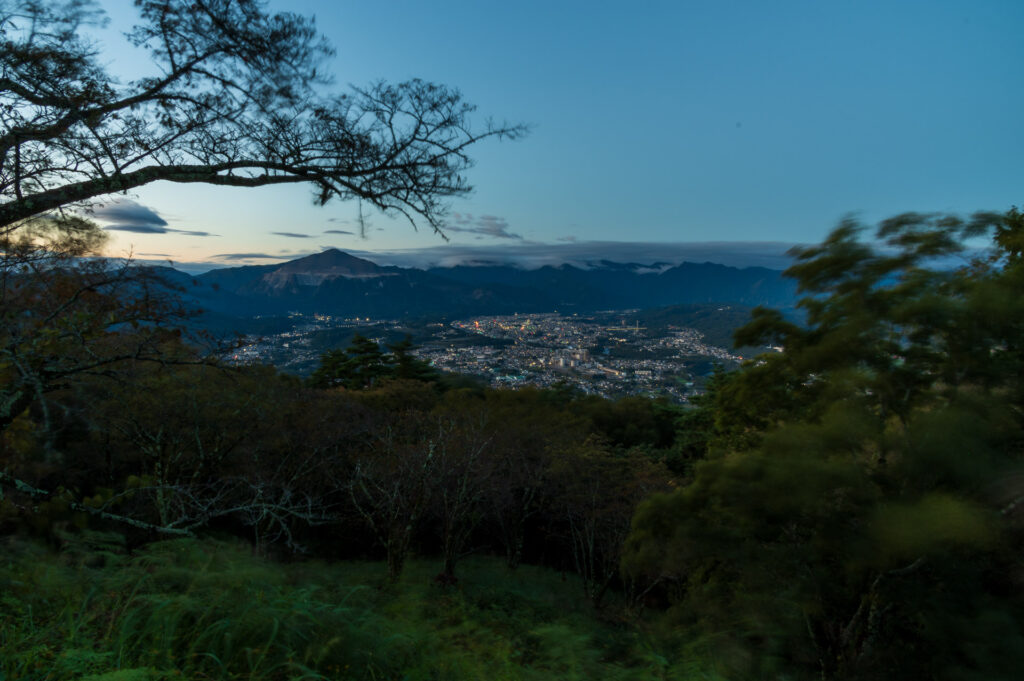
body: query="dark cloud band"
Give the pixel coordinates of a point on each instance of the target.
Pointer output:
(483, 226)
(126, 213)
(138, 229)
(250, 256)
(153, 229)
(128, 216)
(583, 253)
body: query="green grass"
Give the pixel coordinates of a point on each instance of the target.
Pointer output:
(209, 610)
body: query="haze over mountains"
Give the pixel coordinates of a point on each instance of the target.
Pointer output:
(336, 283)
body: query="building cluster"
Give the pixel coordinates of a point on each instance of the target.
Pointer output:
(587, 353)
(691, 342)
(545, 349)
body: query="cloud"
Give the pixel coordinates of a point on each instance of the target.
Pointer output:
(568, 239)
(484, 226)
(338, 231)
(186, 266)
(250, 256)
(293, 235)
(531, 255)
(138, 229)
(129, 213)
(154, 229)
(129, 216)
(282, 255)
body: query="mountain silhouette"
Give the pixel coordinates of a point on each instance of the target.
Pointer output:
(337, 283)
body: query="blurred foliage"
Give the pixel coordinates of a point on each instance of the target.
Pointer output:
(857, 515)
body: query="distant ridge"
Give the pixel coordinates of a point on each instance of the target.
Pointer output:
(337, 283)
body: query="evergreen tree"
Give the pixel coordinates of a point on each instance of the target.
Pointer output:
(361, 365)
(407, 366)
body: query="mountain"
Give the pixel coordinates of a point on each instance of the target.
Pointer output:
(336, 283)
(609, 285)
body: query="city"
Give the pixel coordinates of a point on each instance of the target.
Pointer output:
(608, 353)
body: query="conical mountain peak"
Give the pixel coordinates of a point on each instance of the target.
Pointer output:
(331, 261)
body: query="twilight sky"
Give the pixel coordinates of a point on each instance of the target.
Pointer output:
(661, 130)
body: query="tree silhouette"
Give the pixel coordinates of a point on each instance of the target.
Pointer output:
(235, 99)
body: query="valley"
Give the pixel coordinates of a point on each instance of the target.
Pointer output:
(611, 353)
(602, 328)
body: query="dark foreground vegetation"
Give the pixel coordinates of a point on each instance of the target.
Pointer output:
(210, 610)
(849, 508)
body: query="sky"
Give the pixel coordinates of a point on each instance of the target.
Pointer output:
(720, 130)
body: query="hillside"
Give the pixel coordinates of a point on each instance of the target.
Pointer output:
(335, 283)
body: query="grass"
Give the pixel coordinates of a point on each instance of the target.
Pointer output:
(209, 610)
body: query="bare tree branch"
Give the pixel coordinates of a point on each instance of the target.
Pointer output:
(236, 101)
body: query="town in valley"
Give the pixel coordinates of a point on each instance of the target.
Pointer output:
(612, 353)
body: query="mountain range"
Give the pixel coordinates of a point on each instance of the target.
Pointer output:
(336, 283)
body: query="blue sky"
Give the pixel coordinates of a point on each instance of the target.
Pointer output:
(656, 123)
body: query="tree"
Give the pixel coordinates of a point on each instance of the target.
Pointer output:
(530, 427)
(892, 325)
(361, 365)
(234, 100)
(63, 317)
(391, 481)
(597, 492)
(463, 473)
(66, 321)
(858, 512)
(407, 366)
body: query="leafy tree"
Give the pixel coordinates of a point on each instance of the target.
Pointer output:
(178, 430)
(391, 481)
(633, 421)
(695, 426)
(856, 516)
(597, 491)
(61, 317)
(889, 325)
(177, 449)
(531, 427)
(235, 99)
(66, 321)
(463, 474)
